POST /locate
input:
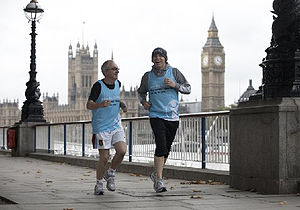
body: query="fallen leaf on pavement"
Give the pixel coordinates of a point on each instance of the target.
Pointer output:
(282, 202)
(194, 182)
(196, 197)
(215, 183)
(39, 171)
(132, 174)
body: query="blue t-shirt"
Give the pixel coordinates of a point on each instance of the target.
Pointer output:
(163, 99)
(107, 118)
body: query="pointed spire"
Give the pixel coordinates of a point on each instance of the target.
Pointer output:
(95, 52)
(70, 53)
(213, 38)
(87, 49)
(213, 26)
(250, 87)
(83, 24)
(112, 55)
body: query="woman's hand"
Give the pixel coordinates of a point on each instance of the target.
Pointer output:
(147, 105)
(170, 82)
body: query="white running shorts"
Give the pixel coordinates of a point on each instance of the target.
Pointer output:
(106, 140)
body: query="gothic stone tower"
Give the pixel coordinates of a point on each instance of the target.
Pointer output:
(213, 70)
(82, 73)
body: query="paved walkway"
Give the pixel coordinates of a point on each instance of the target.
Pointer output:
(36, 184)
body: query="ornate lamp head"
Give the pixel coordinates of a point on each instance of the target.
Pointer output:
(33, 11)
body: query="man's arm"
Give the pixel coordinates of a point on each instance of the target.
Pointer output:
(182, 84)
(143, 89)
(91, 105)
(95, 92)
(123, 106)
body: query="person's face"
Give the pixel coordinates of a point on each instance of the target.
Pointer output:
(112, 71)
(159, 61)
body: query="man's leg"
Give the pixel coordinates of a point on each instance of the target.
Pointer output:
(103, 158)
(109, 176)
(120, 148)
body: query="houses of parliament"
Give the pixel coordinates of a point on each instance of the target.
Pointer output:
(83, 72)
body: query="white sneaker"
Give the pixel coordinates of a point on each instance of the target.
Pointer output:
(109, 176)
(153, 176)
(159, 186)
(99, 188)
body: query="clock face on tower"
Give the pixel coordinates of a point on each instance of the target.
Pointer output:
(205, 60)
(218, 60)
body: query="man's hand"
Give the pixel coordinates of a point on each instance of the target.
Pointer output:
(124, 109)
(147, 105)
(170, 82)
(105, 103)
(123, 106)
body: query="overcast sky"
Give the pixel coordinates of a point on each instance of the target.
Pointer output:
(132, 29)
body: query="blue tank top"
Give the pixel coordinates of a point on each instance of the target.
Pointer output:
(163, 99)
(107, 118)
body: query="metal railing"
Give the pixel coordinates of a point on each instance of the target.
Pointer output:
(201, 139)
(3, 141)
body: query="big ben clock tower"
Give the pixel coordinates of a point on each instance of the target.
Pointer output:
(213, 70)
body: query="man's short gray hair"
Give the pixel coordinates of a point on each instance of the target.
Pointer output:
(105, 64)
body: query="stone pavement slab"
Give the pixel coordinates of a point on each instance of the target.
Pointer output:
(36, 184)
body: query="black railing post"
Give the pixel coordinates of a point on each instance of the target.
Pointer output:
(3, 138)
(83, 139)
(34, 141)
(65, 139)
(203, 128)
(130, 141)
(49, 138)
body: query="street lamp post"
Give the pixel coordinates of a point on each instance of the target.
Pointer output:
(32, 109)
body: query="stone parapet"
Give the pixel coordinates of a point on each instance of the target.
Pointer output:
(265, 146)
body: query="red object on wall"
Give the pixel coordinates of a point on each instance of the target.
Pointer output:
(11, 138)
